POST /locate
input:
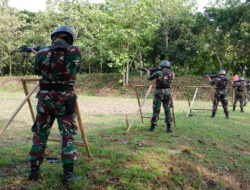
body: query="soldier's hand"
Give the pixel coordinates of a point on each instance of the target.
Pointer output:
(147, 70)
(33, 51)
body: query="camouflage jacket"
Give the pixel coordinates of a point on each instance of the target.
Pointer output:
(239, 86)
(221, 83)
(58, 64)
(248, 86)
(163, 78)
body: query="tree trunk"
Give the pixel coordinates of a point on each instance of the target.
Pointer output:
(141, 62)
(127, 74)
(10, 72)
(218, 58)
(21, 65)
(89, 68)
(166, 37)
(124, 79)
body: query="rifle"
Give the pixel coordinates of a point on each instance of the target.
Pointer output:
(29, 49)
(152, 70)
(211, 76)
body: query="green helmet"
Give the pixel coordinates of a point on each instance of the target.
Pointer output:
(63, 31)
(222, 72)
(165, 64)
(241, 78)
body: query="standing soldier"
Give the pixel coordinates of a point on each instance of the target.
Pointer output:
(247, 93)
(162, 94)
(239, 93)
(57, 66)
(220, 93)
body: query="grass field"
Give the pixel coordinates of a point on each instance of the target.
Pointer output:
(202, 153)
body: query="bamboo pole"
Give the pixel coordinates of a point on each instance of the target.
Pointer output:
(201, 109)
(151, 117)
(29, 102)
(139, 104)
(126, 118)
(211, 91)
(188, 98)
(196, 90)
(19, 108)
(132, 122)
(81, 128)
(60, 140)
(173, 113)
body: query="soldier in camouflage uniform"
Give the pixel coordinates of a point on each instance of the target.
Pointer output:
(247, 93)
(162, 94)
(239, 93)
(220, 92)
(57, 65)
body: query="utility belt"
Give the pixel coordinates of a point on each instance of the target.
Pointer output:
(162, 87)
(220, 90)
(57, 87)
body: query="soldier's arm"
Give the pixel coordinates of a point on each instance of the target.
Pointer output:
(37, 69)
(212, 82)
(152, 76)
(76, 59)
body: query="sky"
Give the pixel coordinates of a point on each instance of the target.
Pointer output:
(39, 5)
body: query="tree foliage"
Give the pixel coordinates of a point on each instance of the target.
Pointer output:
(121, 35)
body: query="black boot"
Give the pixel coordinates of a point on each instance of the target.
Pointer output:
(152, 128)
(241, 109)
(227, 116)
(68, 174)
(169, 129)
(34, 172)
(233, 108)
(213, 115)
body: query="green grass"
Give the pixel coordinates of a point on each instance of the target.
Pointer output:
(199, 150)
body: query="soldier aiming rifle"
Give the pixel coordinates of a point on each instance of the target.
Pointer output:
(239, 86)
(57, 64)
(247, 92)
(164, 77)
(220, 94)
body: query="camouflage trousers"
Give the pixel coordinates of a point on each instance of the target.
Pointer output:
(48, 109)
(220, 96)
(247, 97)
(241, 97)
(162, 96)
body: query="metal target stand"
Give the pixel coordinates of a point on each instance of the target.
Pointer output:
(27, 99)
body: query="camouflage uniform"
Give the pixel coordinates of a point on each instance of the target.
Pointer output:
(220, 94)
(162, 94)
(57, 66)
(248, 92)
(239, 93)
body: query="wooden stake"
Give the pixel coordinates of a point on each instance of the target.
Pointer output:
(139, 103)
(81, 128)
(173, 113)
(29, 102)
(132, 122)
(126, 118)
(19, 108)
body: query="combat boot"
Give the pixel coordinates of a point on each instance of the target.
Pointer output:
(152, 128)
(34, 172)
(233, 108)
(227, 116)
(213, 115)
(68, 174)
(241, 109)
(169, 129)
